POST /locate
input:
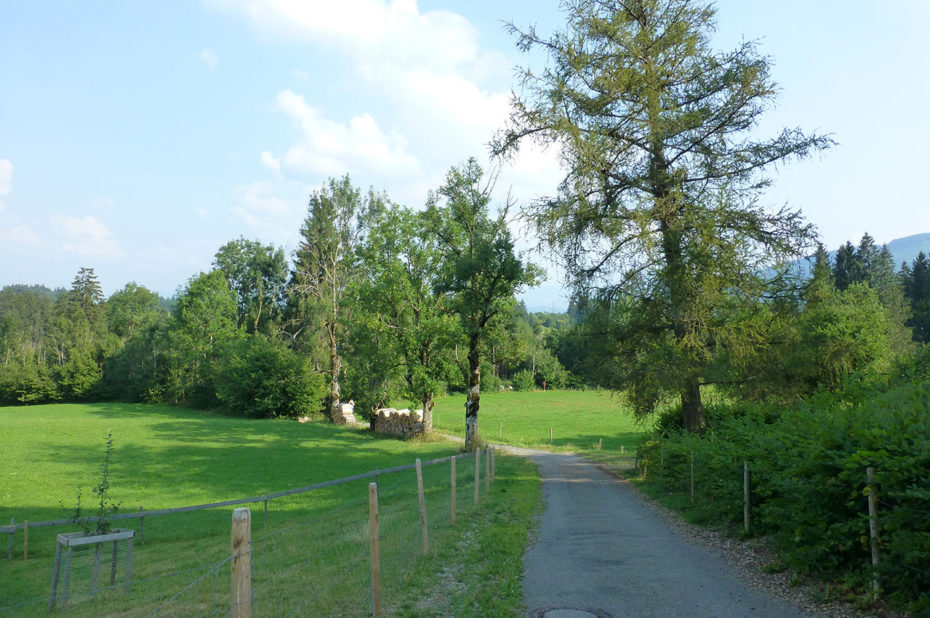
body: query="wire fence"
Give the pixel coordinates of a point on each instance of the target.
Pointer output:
(309, 550)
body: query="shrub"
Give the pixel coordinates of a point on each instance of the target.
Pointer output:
(261, 377)
(808, 476)
(523, 380)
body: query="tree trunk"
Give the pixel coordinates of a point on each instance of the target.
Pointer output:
(474, 394)
(692, 408)
(427, 412)
(336, 364)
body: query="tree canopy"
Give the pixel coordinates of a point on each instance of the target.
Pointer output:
(659, 204)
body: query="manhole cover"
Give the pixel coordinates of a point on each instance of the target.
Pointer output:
(568, 612)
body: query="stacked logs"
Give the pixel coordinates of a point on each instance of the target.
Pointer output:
(344, 414)
(403, 423)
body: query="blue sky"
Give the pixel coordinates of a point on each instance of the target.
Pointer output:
(138, 137)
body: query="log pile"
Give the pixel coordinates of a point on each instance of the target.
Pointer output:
(402, 423)
(344, 413)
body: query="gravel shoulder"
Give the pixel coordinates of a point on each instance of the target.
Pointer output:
(604, 548)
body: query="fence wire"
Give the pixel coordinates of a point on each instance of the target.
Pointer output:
(310, 552)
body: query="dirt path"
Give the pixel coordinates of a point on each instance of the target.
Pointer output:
(602, 551)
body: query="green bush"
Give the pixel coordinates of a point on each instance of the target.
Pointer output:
(523, 380)
(808, 479)
(260, 377)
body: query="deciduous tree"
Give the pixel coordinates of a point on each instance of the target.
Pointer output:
(481, 269)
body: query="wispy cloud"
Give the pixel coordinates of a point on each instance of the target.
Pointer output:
(19, 237)
(6, 179)
(330, 148)
(267, 214)
(86, 236)
(209, 58)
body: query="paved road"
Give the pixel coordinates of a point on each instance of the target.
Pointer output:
(601, 548)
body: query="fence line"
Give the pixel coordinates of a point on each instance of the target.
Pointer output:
(13, 527)
(288, 548)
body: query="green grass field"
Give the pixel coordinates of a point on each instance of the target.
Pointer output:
(310, 551)
(167, 457)
(579, 419)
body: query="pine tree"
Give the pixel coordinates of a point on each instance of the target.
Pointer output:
(844, 266)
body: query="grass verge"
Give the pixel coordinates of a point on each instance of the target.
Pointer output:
(477, 567)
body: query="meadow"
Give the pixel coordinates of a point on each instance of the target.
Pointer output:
(579, 420)
(310, 549)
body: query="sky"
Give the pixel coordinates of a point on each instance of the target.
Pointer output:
(136, 138)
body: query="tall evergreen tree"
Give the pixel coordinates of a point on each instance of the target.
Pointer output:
(917, 288)
(324, 263)
(657, 132)
(845, 267)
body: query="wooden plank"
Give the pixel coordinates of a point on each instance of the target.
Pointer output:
(73, 539)
(55, 571)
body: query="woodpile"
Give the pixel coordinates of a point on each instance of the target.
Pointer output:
(403, 423)
(344, 413)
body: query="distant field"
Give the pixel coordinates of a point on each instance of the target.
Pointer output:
(578, 419)
(165, 456)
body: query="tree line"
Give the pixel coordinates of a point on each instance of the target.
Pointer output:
(379, 303)
(682, 278)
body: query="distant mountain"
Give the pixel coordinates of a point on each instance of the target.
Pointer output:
(906, 249)
(902, 250)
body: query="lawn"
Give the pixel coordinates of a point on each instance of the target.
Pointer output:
(578, 420)
(168, 457)
(310, 551)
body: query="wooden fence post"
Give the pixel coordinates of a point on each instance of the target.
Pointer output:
(493, 464)
(874, 539)
(375, 550)
(141, 526)
(477, 473)
(500, 429)
(550, 435)
(422, 507)
(241, 564)
(26, 540)
(746, 496)
(487, 470)
(453, 489)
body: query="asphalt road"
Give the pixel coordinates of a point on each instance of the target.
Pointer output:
(601, 550)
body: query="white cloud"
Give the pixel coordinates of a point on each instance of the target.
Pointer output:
(439, 96)
(266, 213)
(19, 237)
(301, 75)
(270, 162)
(209, 58)
(6, 179)
(331, 148)
(6, 176)
(86, 236)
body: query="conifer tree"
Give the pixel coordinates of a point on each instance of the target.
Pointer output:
(664, 167)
